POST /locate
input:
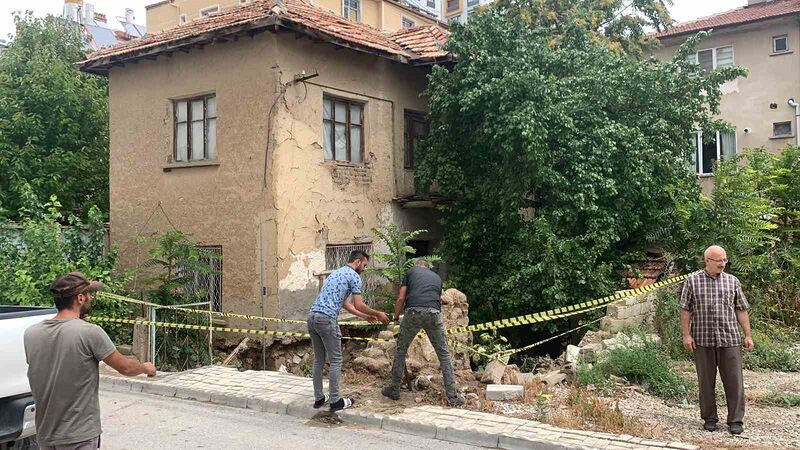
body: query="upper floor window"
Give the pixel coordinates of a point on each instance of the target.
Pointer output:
(205, 12)
(710, 148)
(432, 4)
(712, 58)
(454, 19)
(416, 128)
(195, 129)
(453, 5)
(782, 129)
(408, 23)
(472, 3)
(343, 129)
(780, 44)
(351, 9)
(182, 19)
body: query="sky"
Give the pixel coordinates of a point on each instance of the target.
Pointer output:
(682, 10)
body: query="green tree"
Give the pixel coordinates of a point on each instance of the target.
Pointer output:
(559, 156)
(621, 25)
(53, 120)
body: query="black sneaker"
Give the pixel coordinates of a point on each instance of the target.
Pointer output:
(736, 428)
(319, 403)
(391, 393)
(710, 425)
(342, 403)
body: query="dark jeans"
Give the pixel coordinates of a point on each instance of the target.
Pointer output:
(729, 361)
(433, 325)
(326, 339)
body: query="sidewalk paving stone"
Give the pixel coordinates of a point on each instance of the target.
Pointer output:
(281, 393)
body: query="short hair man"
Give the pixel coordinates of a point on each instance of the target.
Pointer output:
(323, 325)
(711, 303)
(420, 298)
(63, 355)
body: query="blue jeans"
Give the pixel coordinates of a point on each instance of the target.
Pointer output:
(326, 340)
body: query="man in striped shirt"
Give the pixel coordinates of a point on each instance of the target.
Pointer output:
(712, 302)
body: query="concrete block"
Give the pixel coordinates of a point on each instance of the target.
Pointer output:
(572, 353)
(303, 410)
(526, 378)
(140, 347)
(554, 378)
(159, 389)
(235, 401)
(467, 436)
(267, 405)
(374, 420)
(504, 392)
(522, 442)
(193, 394)
(407, 426)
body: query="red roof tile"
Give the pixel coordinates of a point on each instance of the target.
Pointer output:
(745, 14)
(416, 43)
(650, 270)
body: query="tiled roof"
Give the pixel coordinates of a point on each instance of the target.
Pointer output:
(419, 43)
(426, 41)
(650, 271)
(738, 16)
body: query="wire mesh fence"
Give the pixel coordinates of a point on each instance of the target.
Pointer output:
(178, 349)
(336, 256)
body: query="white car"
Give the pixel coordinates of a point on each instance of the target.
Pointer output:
(17, 410)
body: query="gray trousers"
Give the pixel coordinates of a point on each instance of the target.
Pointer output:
(89, 444)
(326, 340)
(433, 325)
(729, 361)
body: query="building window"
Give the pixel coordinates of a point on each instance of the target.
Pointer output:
(408, 23)
(351, 10)
(453, 5)
(182, 19)
(453, 19)
(416, 128)
(780, 44)
(195, 129)
(713, 58)
(343, 125)
(472, 3)
(432, 4)
(782, 129)
(710, 148)
(205, 12)
(204, 284)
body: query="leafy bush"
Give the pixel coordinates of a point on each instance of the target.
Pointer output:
(592, 375)
(774, 350)
(668, 325)
(782, 399)
(649, 366)
(38, 250)
(487, 345)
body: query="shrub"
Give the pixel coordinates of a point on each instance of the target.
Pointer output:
(649, 366)
(774, 351)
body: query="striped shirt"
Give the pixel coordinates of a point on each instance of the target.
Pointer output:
(713, 302)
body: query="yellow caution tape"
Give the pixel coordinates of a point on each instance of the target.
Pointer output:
(218, 313)
(566, 311)
(510, 352)
(185, 326)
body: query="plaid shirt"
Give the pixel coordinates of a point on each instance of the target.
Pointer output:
(713, 303)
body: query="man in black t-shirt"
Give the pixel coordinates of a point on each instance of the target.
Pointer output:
(420, 301)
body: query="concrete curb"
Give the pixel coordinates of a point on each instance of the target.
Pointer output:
(504, 433)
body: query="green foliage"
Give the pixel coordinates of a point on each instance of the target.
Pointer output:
(781, 399)
(488, 344)
(667, 324)
(560, 156)
(38, 250)
(591, 375)
(647, 365)
(393, 265)
(774, 350)
(53, 120)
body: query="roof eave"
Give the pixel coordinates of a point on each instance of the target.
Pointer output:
(731, 25)
(101, 66)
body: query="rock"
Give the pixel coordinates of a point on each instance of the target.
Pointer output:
(373, 352)
(653, 338)
(591, 350)
(422, 382)
(282, 369)
(571, 356)
(590, 337)
(498, 392)
(617, 380)
(510, 374)
(374, 365)
(553, 378)
(493, 372)
(526, 378)
(418, 399)
(472, 396)
(297, 359)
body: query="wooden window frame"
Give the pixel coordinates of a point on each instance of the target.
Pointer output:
(348, 103)
(775, 39)
(457, 7)
(345, 8)
(189, 101)
(410, 117)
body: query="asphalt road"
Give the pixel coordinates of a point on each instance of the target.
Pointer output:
(137, 421)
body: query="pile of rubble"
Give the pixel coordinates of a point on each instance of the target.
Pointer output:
(506, 382)
(422, 364)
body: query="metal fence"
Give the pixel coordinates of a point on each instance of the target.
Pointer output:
(175, 349)
(336, 257)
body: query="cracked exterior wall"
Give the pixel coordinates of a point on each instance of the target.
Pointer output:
(279, 232)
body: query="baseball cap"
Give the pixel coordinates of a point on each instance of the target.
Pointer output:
(73, 284)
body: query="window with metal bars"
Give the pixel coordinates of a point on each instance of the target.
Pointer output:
(195, 129)
(343, 127)
(336, 256)
(204, 285)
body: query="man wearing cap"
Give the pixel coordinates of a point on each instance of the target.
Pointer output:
(63, 354)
